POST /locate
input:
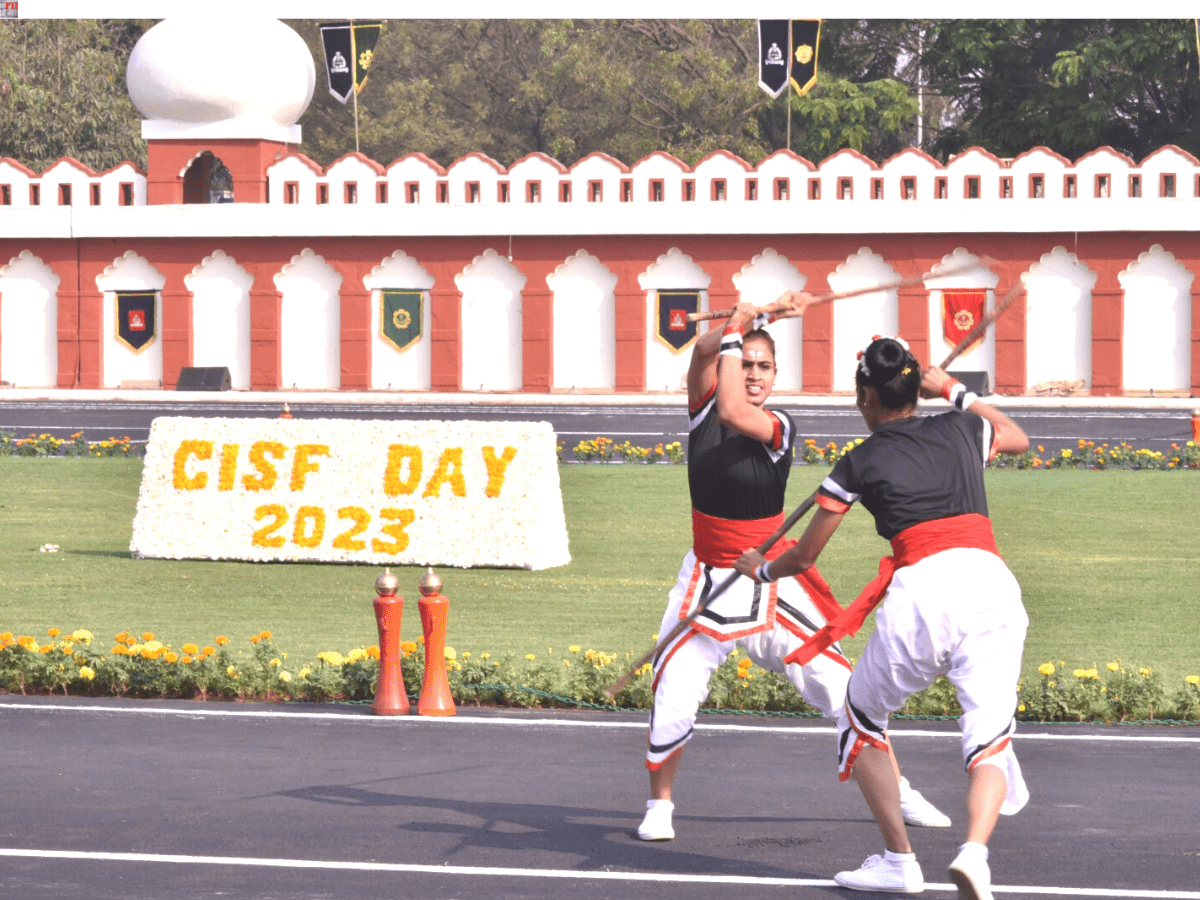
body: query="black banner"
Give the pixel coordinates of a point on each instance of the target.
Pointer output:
(349, 49)
(773, 46)
(674, 329)
(400, 317)
(135, 318)
(806, 38)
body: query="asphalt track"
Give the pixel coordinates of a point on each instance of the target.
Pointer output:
(133, 800)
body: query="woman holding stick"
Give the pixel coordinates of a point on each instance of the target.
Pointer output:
(950, 606)
(739, 459)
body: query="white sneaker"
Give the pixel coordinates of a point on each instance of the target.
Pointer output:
(900, 876)
(918, 811)
(656, 826)
(971, 874)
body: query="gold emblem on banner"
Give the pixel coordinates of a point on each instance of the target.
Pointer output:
(963, 320)
(804, 54)
(401, 318)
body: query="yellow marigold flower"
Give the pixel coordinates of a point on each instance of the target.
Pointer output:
(285, 677)
(1113, 667)
(1193, 679)
(332, 657)
(1021, 708)
(1046, 669)
(276, 663)
(153, 645)
(356, 654)
(303, 673)
(530, 656)
(147, 653)
(466, 654)
(231, 671)
(1145, 673)
(83, 635)
(574, 648)
(53, 632)
(221, 640)
(450, 653)
(190, 648)
(485, 655)
(87, 672)
(171, 656)
(147, 636)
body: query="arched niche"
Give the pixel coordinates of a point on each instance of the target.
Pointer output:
(585, 344)
(856, 320)
(221, 316)
(394, 368)
(666, 367)
(310, 323)
(761, 281)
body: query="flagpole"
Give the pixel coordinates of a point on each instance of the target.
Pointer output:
(789, 114)
(354, 81)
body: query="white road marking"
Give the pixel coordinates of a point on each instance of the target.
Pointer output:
(578, 875)
(412, 721)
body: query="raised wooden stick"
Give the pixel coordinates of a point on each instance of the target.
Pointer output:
(782, 305)
(611, 691)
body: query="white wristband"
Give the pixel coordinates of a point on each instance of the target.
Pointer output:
(956, 391)
(965, 399)
(731, 345)
(762, 320)
(762, 573)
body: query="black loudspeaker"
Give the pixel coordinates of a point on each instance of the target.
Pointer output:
(975, 382)
(201, 378)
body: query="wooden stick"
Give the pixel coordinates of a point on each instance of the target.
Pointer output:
(684, 624)
(782, 306)
(973, 335)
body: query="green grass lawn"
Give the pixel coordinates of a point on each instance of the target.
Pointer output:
(1107, 561)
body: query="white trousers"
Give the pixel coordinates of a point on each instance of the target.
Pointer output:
(683, 668)
(957, 613)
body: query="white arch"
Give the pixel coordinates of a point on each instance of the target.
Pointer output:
(28, 322)
(666, 369)
(393, 369)
(857, 319)
(967, 272)
(1058, 319)
(221, 316)
(130, 272)
(310, 323)
(491, 323)
(760, 282)
(1156, 346)
(585, 324)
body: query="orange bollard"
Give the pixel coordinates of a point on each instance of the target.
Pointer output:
(1196, 425)
(391, 699)
(436, 699)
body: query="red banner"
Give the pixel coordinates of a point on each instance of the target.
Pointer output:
(962, 310)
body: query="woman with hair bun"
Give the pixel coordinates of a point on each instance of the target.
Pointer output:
(948, 604)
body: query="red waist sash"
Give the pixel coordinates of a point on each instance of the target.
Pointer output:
(719, 542)
(909, 546)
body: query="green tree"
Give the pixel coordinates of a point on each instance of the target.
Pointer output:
(62, 92)
(1071, 85)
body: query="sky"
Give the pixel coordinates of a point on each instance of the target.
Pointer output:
(608, 9)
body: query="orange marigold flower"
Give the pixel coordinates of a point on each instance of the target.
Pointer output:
(255, 639)
(210, 651)
(53, 632)
(190, 649)
(222, 640)
(373, 652)
(147, 635)
(265, 635)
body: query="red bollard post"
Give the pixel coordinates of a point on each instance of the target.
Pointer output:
(1196, 425)
(391, 699)
(436, 699)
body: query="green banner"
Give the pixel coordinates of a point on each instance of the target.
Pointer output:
(400, 321)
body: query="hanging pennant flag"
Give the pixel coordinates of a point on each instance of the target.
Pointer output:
(962, 310)
(674, 329)
(806, 37)
(349, 48)
(135, 318)
(774, 45)
(400, 318)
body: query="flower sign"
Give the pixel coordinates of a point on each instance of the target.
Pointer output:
(396, 493)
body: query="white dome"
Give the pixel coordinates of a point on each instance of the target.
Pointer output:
(212, 77)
